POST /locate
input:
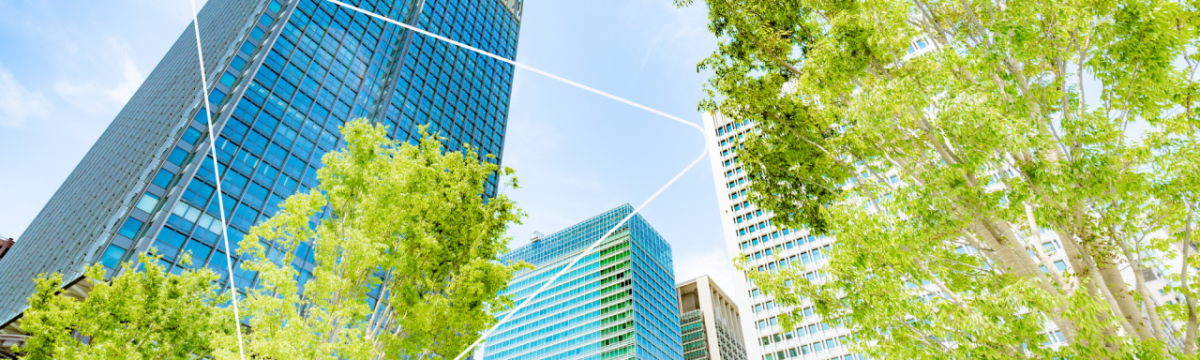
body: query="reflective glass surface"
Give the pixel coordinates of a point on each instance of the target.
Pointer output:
(618, 302)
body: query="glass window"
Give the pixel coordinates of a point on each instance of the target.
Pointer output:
(248, 48)
(216, 97)
(171, 237)
(228, 79)
(177, 156)
(112, 256)
(198, 251)
(131, 227)
(257, 33)
(163, 178)
(147, 203)
(237, 63)
(191, 135)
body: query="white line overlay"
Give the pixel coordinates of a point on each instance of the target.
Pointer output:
(220, 199)
(212, 145)
(575, 84)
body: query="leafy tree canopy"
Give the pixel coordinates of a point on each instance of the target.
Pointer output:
(147, 314)
(944, 143)
(407, 224)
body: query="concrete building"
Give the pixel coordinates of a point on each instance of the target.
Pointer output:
(615, 303)
(284, 75)
(750, 234)
(709, 322)
(5, 245)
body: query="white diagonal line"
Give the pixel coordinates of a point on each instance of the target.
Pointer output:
(212, 144)
(520, 65)
(547, 284)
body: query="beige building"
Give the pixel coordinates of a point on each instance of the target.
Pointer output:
(709, 322)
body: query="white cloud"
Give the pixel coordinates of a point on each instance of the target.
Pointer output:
(682, 40)
(93, 97)
(715, 262)
(18, 103)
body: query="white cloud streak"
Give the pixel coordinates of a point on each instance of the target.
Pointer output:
(18, 104)
(94, 98)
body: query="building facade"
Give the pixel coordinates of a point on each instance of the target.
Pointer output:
(709, 322)
(615, 303)
(750, 235)
(284, 75)
(5, 245)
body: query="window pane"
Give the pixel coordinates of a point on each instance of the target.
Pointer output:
(191, 135)
(248, 48)
(163, 178)
(112, 256)
(227, 79)
(216, 97)
(147, 203)
(198, 251)
(237, 63)
(130, 228)
(177, 156)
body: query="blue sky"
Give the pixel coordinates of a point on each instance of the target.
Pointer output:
(68, 66)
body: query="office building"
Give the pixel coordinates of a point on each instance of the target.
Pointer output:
(750, 234)
(5, 245)
(616, 303)
(709, 322)
(284, 75)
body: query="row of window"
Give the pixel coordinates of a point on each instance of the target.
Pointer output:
(206, 228)
(812, 348)
(766, 239)
(814, 329)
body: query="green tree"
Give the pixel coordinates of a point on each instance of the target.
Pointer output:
(980, 111)
(406, 223)
(145, 314)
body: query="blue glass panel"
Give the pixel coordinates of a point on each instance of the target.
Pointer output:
(248, 48)
(191, 135)
(112, 256)
(228, 79)
(163, 178)
(216, 97)
(130, 229)
(177, 156)
(198, 251)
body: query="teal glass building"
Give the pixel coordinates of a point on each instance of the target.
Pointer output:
(284, 75)
(618, 302)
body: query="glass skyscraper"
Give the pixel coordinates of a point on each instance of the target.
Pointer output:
(284, 75)
(618, 302)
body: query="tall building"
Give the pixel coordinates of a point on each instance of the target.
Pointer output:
(709, 322)
(616, 303)
(284, 75)
(750, 234)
